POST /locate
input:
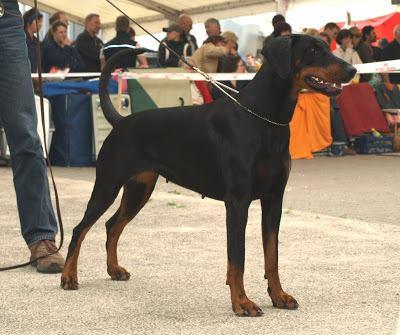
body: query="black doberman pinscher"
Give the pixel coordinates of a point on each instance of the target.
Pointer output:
(218, 150)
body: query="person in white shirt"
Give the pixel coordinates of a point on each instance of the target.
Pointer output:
(345, 50)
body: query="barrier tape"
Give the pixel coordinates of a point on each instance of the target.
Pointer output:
(377, 67)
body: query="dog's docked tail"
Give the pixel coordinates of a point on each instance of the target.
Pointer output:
(109, 110)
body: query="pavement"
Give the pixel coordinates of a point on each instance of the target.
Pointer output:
(339, 257)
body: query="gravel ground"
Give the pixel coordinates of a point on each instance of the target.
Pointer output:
(339, 257)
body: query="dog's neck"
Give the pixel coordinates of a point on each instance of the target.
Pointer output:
(270, 96)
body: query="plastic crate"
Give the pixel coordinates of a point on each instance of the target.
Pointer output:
(369, 144)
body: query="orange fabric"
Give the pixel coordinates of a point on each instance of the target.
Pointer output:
(310, 129)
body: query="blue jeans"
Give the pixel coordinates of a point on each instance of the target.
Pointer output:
(19, 119)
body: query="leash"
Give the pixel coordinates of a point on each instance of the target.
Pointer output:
(217, 84)
(39, 57)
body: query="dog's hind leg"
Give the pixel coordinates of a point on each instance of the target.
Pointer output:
(271, 217)
(137, 192)
(236, 220)
(103, 195)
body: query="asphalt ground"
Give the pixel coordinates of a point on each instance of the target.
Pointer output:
(339, 257)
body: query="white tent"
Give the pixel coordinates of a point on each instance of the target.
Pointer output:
(155, 14)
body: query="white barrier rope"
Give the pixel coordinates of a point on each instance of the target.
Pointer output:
(377, 67)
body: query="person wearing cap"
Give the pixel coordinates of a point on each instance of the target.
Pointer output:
(33, 21)
(175, 42)
(120, 42)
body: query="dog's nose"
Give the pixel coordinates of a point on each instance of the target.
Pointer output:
(351, 71)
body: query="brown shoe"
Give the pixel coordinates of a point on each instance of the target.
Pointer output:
(54, 263)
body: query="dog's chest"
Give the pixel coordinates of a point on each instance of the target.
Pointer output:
(270, 175)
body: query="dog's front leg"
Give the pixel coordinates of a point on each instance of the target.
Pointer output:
(236, 220)
(271, 217)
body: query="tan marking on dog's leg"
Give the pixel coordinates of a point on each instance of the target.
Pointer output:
(241, 304)
(124, 215)
(279, 298)
(69, 276)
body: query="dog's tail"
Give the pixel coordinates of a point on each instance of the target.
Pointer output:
(108, 108)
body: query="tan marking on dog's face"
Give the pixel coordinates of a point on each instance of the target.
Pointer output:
(332, 73)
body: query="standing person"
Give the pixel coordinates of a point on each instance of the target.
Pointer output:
(324, 37)
(57, 16)
(391, 52)
(89, 45)
(33, 21)
(58, 54)
(282, 29)
(366, 50)
(186, 23)
(175, 42)
(231, 40)
(276, 19)
(142, 59)
(206, 57)
(213, 27)
(19, 119)
(122, 39)
(332, 29)
(232, 64)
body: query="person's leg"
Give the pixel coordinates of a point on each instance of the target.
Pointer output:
(339, 146)
(19, 119)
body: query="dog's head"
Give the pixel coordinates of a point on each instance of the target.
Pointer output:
(309, 63)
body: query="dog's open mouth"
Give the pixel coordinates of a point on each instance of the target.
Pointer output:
(320, 85)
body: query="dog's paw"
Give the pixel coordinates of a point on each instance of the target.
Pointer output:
(118, 273)
(245, 307)
(69, 282)
(282, 300)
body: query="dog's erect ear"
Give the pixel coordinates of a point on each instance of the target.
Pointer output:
(278, 53)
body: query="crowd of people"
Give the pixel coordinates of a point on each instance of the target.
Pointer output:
(218, 53)
(88, 53)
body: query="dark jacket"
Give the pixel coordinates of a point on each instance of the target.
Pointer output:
(32, 44)
(367, 56)
(54, 55)
(192, 42)
(391, 52)
(121, 38)
(167, 58)
(89, 49)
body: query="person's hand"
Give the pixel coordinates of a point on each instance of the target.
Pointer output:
(67, 42)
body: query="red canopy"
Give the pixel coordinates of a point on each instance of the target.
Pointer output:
(383, 25)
